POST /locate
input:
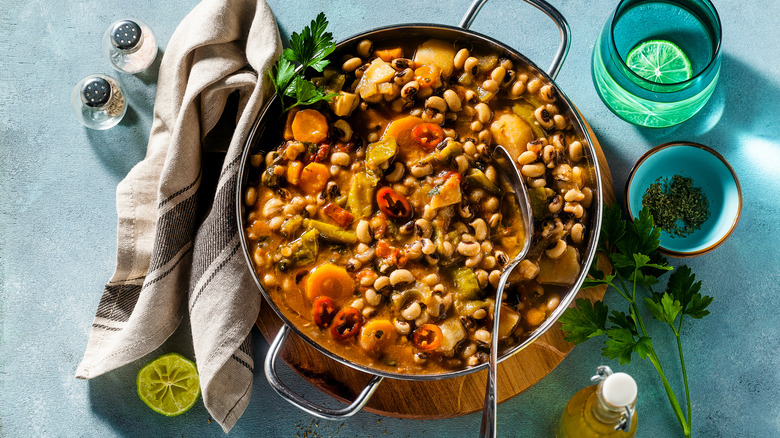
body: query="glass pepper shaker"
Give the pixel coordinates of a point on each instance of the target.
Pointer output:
(98, 102)
(130, 45)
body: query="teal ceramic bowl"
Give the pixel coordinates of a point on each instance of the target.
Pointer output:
(708, 170)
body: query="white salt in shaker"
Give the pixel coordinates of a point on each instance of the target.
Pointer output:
(98, 102)
(130, 45)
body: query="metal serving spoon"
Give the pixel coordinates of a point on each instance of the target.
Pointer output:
(515, 183)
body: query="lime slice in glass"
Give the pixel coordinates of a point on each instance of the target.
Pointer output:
(169, 384)
(660, 61)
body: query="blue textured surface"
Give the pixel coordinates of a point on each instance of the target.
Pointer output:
(58, 230)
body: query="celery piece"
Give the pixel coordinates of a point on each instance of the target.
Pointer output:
(380, 152)
(304, 250)
(466, 284)
(477, 178)
(527, 114)
(331, 232)
(360, 199)
(538, 198)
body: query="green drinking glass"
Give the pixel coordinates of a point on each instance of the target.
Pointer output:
(656, 62)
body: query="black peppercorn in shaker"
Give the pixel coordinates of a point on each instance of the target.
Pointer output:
(98, 102)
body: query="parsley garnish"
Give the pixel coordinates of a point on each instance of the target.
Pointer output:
(632, 250)
(309, 49)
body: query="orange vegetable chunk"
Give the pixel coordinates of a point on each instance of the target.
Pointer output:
(388, 55)
(313, 178)
(329, 280)
(377, 335)
(310, 125)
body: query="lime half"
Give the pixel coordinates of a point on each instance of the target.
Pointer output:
(660, 61)
(169, 384)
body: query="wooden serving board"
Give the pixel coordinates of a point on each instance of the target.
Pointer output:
(435, 398)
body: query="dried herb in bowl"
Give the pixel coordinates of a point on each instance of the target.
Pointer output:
(677, 206)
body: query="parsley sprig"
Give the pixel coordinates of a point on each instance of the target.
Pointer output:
(632, 250)
(307, 50)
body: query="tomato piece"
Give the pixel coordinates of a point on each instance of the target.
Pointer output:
(427, 337)
(324, 309)
(346, 324)
(322, 152)
(428, 135)
(393, 204)
(428, 75)
(338, 214)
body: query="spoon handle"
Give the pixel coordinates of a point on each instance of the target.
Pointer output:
(488, 427)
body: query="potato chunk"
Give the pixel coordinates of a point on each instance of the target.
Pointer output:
(437, 52)
(511, 132)
(378, 72)
(562, 271)
(452, 333)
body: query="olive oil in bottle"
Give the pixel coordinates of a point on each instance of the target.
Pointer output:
(603, 410)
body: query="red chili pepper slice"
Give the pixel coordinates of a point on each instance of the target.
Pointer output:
(324, 309)
(338, 214)
(393, 204)
(427, 337)
(428, 135)
(346, 324)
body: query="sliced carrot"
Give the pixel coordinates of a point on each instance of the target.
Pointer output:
(329, 280)
(294, 170)
(377, 335)
(314, 178)
(388, 55)
(401, 130)
(288, 131)
(428, 76)
(309, 125)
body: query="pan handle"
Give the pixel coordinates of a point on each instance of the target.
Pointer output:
(300, 402)
(550, 11)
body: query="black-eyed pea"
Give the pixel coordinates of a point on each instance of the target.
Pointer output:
(574, 195)
(574, 208)
(423, 319)
(483, 112)
(518, 88)
(534, 85)
(358, 303)
(402, 327)
(453, 100)
(552, 303)
(363, 232)
(403, 77)
(490, 205)
(526, 157)
(483, 336)
(491, 174)
(467, 238)
(473, 361)
(431, 279)
(490, 85)
(460, 58)
(488, 263)
(494, 277)
(498, 74)
(544, 117)
(588, 199)
(428, 247)
(275, 223)
(411, 89)
(436, 103)
(432, 116)
(462, 163)
(548, 155)
(421, 170)
(533, 170)
(474, 261)
(381, 283)
(413, 251)
(422, 229)
(401, 64)
(471, 66)
(556, 250)
(577, 233)
(575, 151)
(400, 278)
(411, 311)
(480, 229)
(476, 195)
(468, 249)
(448, 248)
(425, 92)
(469, 148)
(560, 121)
(482, 277)
(468, 350)
(270, 281)
(555, 205)
(476, 126)
(250, 196)
(548, 93)
(482, 149)
(351, 64)
(365, 48)
(340, 159)
(485, 136)
(506, 63)
(368, 312)
(450, 132)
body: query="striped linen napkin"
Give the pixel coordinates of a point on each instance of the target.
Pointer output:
(178, 245)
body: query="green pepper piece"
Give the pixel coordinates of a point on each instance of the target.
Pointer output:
(360, 199)
(380, 152)
(331, 82)
(466, 284)
(526, 112)
(477, 178)
(331, 232)
(538, 198)
(452, 149)
(304, 250)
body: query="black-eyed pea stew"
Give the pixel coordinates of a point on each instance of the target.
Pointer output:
(380, 227)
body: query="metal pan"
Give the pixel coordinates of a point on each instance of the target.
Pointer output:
(269, 117)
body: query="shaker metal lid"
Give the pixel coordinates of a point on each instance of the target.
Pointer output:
(95, 92)
(126, 35)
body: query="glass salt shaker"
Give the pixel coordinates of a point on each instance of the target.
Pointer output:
(98, 102)
(130, 45)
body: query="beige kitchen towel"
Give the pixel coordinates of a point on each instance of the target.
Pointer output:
(178, 246)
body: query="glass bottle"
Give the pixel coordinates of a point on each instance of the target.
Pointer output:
(604, 410)
(98, 102)
(130, 45)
